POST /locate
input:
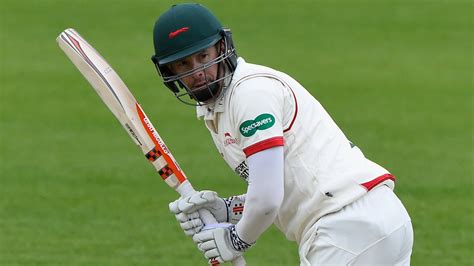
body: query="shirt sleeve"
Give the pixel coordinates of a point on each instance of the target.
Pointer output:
(264, 193)
(257, 109)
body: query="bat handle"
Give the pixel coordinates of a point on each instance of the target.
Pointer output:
(186, 189)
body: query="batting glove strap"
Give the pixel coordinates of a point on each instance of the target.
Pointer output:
(236, 241)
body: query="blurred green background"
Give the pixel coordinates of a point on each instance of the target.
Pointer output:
(397, 76)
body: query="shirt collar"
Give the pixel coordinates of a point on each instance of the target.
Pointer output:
(208, 112)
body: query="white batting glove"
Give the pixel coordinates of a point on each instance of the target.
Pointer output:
(220, 243)
(224, 210)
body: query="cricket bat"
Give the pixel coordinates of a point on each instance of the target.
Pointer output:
(121, 102)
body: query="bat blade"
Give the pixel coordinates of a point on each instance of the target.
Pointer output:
(121, 102)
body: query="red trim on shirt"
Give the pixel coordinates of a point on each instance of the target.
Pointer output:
(296, 112)
(371, 184)
(263, 145)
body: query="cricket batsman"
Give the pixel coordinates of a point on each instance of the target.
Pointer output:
(303, 174)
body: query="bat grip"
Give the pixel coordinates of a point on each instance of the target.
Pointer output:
(185, 189)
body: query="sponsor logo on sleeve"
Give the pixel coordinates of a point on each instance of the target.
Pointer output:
(261, 122)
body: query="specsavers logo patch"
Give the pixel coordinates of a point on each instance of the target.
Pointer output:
(261, 122)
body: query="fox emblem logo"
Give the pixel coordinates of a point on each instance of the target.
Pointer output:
(175, 33)
(228, 139)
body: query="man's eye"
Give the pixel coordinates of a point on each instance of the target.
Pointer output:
(181, 64)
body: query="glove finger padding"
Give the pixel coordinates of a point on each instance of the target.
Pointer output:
(190, 223)
(216, 243)
(208, 245)
(183, 217)
(197, 200)
(214, 254)
(224, 210)
(192, 232)
(204, 236)
(173, 206)
(185, 209)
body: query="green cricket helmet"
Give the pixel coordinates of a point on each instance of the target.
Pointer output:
(184, 30)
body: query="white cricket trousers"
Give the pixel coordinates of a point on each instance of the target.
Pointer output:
(373, 230)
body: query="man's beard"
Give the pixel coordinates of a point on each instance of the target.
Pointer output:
(207, 93)
(211, 89)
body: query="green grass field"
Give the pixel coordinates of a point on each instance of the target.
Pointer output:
(397, 76)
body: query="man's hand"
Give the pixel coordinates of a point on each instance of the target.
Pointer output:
(224, 210)
(220, 243)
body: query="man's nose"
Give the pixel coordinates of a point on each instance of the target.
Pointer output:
(199, 73)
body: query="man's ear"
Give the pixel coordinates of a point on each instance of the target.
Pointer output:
(222, 46)
(169, 70)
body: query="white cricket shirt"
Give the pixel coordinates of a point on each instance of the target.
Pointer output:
(324, 171)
